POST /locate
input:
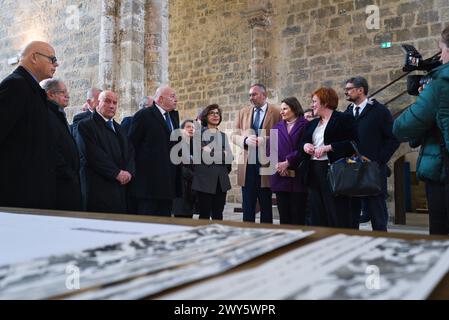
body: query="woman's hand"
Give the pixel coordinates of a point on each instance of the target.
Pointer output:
(309, 149)
(319, 152)
(282, 166)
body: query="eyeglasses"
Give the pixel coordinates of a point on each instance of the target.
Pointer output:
(52, 59)
(213, 113)
(349, 89)
(65, 93)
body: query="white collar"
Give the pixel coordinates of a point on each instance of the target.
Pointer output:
(162, 111)
(263, 108)
(362, 105)
(105, 119)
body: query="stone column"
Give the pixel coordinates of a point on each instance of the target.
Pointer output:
(130, 82)
(156, 44)
(259, 22)
(108, 45)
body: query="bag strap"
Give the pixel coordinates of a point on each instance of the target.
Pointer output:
(354, 146)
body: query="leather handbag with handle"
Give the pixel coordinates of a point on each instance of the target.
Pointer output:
(355, 176)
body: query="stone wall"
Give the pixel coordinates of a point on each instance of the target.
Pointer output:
(119, 45)
(55, 21)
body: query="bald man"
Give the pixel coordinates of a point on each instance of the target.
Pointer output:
(158, 180)
(109, 166)
(27, 171)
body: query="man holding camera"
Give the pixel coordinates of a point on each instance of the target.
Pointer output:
(427, 121)
(376, 142)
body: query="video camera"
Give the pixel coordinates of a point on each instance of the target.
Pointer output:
(415, 62)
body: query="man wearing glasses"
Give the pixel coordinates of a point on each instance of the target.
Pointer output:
(26, 169)
(65, 151)
(376, 141)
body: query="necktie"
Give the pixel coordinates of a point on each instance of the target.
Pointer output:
(256, 120)
(110, 124)
(357, 112)
(168, 121)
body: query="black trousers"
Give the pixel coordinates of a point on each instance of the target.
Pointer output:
(211, 205)
(375, 206)
(326, 210)
(292, 207)
(154, 207)
(251, 192)
(437, 201)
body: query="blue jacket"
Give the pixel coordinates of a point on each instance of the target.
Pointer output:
(424, 120)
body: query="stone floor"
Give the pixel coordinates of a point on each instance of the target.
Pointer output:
(416, 223)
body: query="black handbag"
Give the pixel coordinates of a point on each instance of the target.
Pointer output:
(355, 176)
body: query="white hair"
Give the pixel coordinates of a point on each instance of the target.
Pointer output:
(50, 85)
(159, 91)
(91, 93)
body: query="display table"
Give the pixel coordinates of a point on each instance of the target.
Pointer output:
(441, 291)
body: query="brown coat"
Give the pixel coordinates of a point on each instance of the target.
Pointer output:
(242, 129)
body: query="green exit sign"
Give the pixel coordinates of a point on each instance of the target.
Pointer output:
(385, 45)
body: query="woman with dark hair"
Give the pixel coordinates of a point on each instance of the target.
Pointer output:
(211, 177)
(286, 183)
(327, 139)
(185, 206)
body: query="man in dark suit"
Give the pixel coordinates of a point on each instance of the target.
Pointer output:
(376, 141)
(90, 105)
(109, 158)
(26, 168)
(158, 180)
(126, 122)
(64, 150)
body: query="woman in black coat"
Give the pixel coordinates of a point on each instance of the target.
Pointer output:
(327, 139)
(211, 177)
(186, 206)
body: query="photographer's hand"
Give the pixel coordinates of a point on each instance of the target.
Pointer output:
(421, 88)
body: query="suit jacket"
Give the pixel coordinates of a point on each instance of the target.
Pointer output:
(27, 172)
(375, 132)
(243, 129)
(126, 124)
(106, 153)
(76, 120)
(156, 176)
(65, 152)
(339, 133)
(208, 175)
(288, 149)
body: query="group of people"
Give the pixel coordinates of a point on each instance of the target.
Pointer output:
(142, 166)
(99, 165)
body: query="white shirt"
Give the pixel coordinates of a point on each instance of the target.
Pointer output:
(318, 139)
(163, 112)
(105, 119)
(262, 112)
(362, 106)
